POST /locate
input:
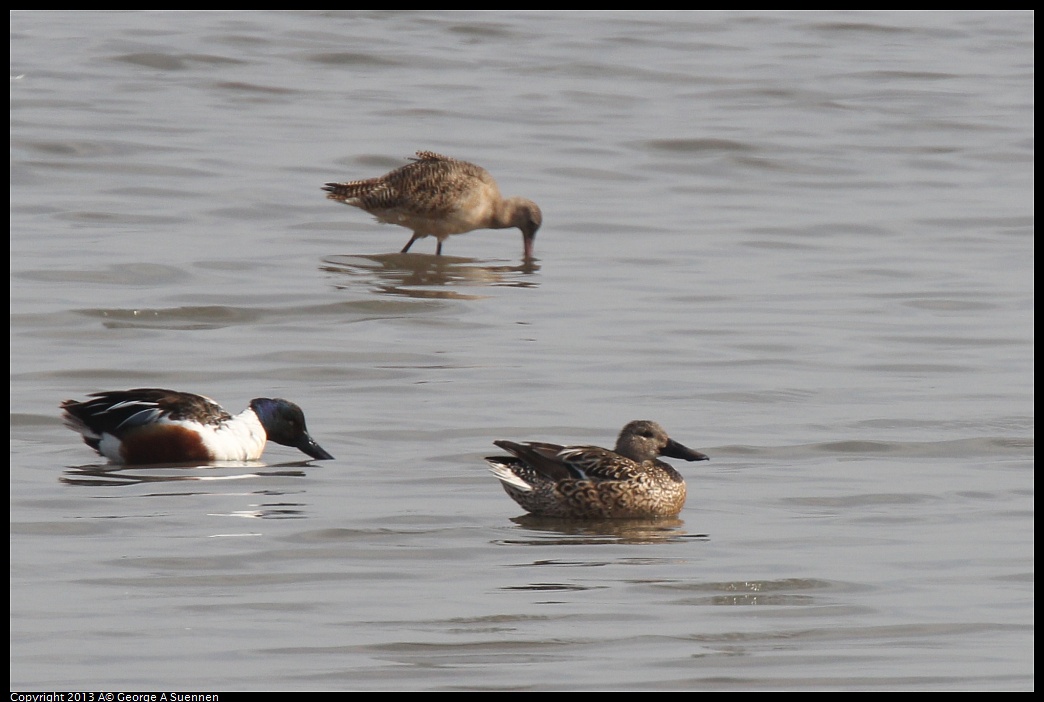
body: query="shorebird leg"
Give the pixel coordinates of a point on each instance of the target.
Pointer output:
(409, 244)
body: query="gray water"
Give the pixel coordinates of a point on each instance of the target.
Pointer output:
(801, 242)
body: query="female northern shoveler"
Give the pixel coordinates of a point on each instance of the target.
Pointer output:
(439, 196)
(588, 482)
(151, 425)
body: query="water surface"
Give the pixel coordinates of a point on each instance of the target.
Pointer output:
(802, 242)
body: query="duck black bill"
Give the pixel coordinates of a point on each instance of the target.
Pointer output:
(676, 450)
(308, 445)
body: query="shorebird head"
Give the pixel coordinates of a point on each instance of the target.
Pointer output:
(526, 216)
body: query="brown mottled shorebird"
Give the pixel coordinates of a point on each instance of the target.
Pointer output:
(588, 482)
(439, 196)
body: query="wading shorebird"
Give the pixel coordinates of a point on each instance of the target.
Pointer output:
(440, 196)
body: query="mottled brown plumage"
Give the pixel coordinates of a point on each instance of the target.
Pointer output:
(440, 196)
(588, 482)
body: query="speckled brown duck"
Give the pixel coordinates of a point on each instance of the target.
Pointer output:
(440, 196)
(588, 482)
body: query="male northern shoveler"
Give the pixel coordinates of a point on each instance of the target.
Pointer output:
(152, 425)
(588, 482)
(439, 196)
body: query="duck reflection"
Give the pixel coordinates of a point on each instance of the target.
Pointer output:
(606, 531)
(109, 474)
(270, 501)
(427, 277)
